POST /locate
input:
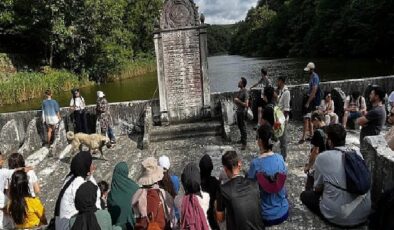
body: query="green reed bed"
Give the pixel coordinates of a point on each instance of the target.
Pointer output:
(134, 69)
(23, 86)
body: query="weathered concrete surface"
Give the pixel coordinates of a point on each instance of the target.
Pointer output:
(380, 160)
(52, 171)
(10, 137)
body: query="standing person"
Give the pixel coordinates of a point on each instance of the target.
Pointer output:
(284, 105)
(264, 82)
(194, 204)
(119, 198)
(211, 185)
(242, 102)
(312, 101)
(104, 116)
(372, 123)
(150, 198)
(50, 115)
(239, 198)
(330, 198)
(268, 112)
(15, 161)
(81, 170)
(327, 108)
(274, 206)
(89, 217)
(354, 107)
(26, 211)
(77, 104)
(391, 100)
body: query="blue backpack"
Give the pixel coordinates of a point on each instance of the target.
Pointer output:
(358, 177)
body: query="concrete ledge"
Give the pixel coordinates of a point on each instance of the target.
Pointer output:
(380, 160)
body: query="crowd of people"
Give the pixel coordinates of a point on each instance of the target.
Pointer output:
(238, 199)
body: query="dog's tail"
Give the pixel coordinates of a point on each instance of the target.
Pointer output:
(70, 135)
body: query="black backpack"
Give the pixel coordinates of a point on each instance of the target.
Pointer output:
(358, 177)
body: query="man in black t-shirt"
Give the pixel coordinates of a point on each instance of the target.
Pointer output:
(239, 198)
(372, 123)
(242, 101)
(318, 140)
(268, 112)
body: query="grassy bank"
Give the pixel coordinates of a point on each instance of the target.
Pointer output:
(135, 69)
(23, 86)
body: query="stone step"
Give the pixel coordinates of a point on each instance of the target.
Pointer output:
(179, 131)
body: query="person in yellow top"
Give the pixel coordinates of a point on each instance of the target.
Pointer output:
(25, 210)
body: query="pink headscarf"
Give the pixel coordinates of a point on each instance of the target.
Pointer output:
(192, 215)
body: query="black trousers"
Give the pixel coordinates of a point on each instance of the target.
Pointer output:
(241, 115)
(80, 121)
(311, 199)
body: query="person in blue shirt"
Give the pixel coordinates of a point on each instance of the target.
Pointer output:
(270, 171)
(50, 115)
(312, 101)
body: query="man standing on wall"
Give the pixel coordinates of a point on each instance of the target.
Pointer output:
(242, 101)
(284, 104)
(50, 115)
(312, 101)
(372, 123)
(264, 81)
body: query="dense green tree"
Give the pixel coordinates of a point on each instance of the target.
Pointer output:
(358, 28)
(93, 36)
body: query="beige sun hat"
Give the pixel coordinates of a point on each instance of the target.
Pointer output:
(152, 172)
(100, 94)
(310, 66)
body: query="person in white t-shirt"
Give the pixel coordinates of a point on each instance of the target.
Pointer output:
(16, 160)
(81, 170)
(327, 108)
(77, 104)
(6, 174)
(6, 221)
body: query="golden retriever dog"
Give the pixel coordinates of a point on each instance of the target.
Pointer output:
(95, 142)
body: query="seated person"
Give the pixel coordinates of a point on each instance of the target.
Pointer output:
(327, 109)
(390, 135)
(318, 143)
(330, 199)
(239, 198)
(354, 107)
(270, 171)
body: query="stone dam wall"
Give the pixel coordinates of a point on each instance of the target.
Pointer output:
(24, 132)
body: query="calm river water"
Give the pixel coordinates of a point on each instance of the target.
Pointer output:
(224, 73)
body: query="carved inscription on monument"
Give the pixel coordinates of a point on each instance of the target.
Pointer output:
(179, 13)
(183, 72)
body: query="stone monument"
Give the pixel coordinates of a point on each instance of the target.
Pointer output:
(182, 68)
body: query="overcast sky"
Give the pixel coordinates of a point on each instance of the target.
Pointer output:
(224, 11)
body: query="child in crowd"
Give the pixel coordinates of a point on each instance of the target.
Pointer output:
(26, 211)
(104, 189)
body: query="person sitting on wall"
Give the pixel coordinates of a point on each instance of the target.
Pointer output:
(390, 135)
(330, 198)
(327, 108)
(354, 107)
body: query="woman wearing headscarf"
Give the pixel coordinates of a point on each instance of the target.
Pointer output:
(122, 190)
(89, 217)
(194, 203)
(150, 202)
(81, 170)
(211, 185)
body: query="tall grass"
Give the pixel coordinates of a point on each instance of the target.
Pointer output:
(24, 86)
(134, 69)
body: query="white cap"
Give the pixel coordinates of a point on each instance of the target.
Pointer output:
(100, 94)
(391, 97)
(164, 162)
(310, 66)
